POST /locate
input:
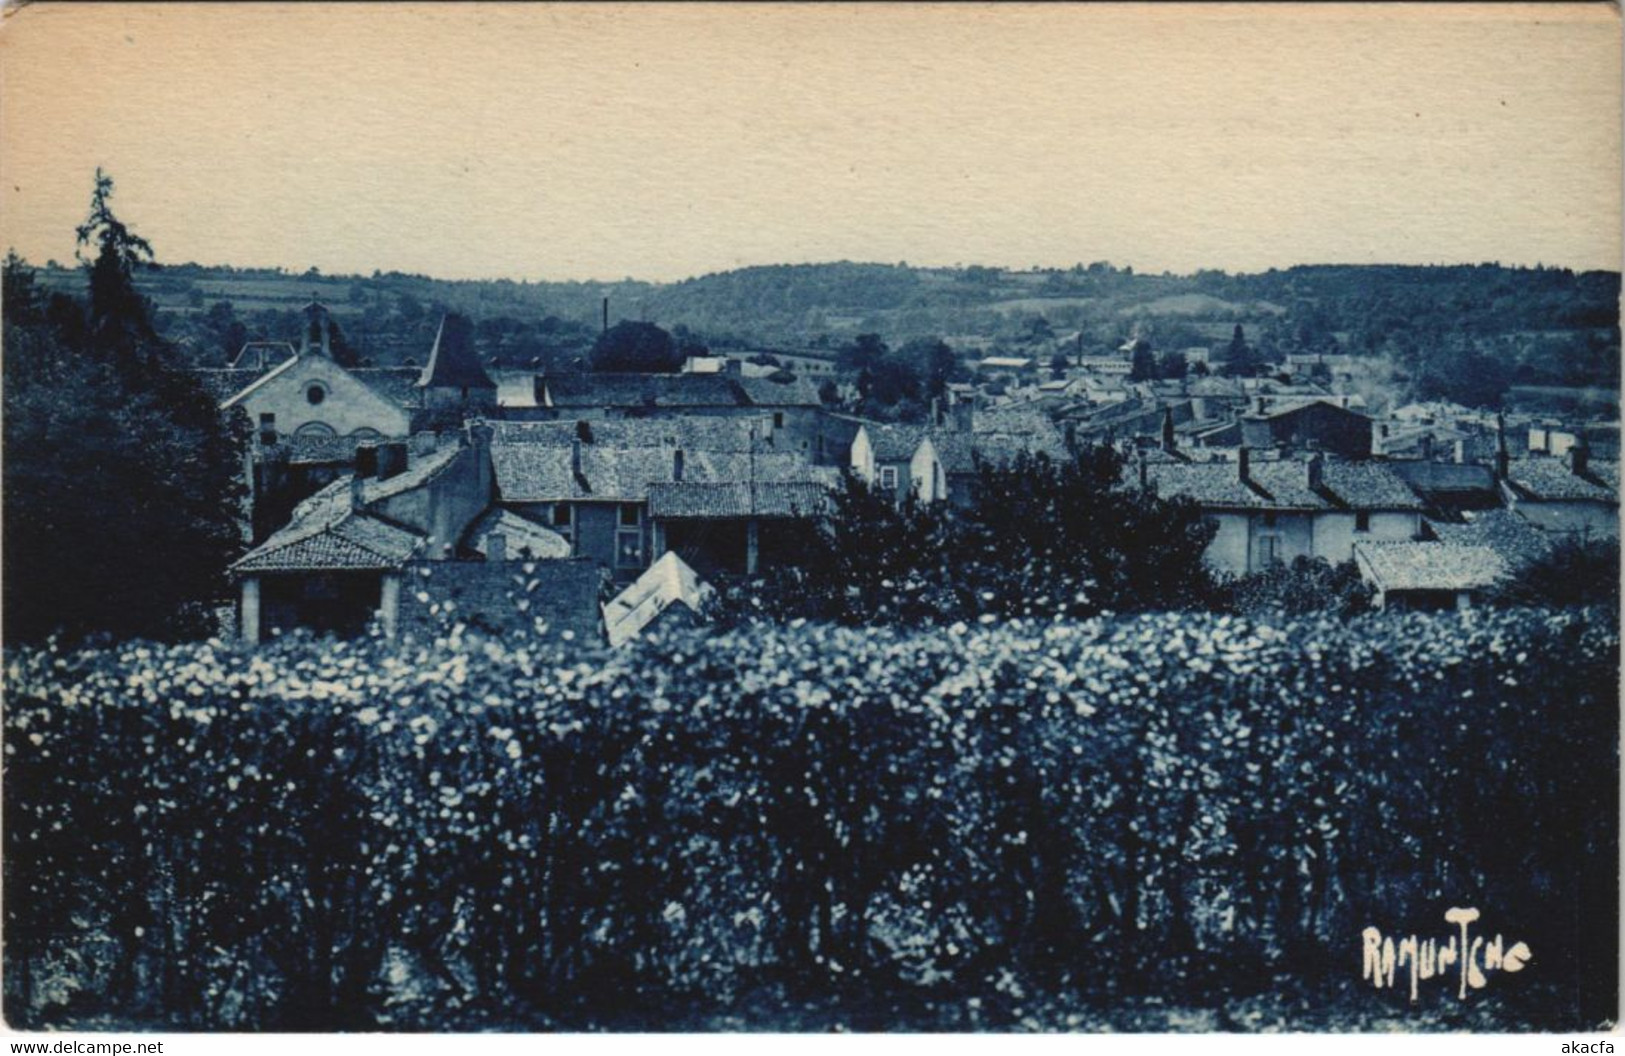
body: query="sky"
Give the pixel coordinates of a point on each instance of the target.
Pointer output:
(660, 142)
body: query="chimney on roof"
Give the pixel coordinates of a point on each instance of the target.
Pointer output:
(677, 465)
(1316, 468)
(605, 328)
(1244, 465)
(366, 461)
(390, 459)
(1503, 460)
(583, 431)
(357, 491)
(1168, 429)
(1425, 444)
(936, 412)
(1458, 453)
(1259, 408)
(1579, 458)
(575, 457)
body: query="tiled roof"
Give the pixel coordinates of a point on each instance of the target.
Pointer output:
(1369, 486)
(1515, 539)
(396, 384)
(314, 449)
(347, 541)
(694, 432)
(1551, 480)
(1429, 566)
(566, 391)
(522, 537)
(1284, 485)
(895, 443)
(223, 384)
(543, 473)
(680, 501)
(261, 356)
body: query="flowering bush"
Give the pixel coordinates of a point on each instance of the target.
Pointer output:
(326, 835)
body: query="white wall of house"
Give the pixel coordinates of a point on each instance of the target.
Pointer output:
(344, 406)
(1228, 550)
(863, 456)
(1335, 535)
(926, 473)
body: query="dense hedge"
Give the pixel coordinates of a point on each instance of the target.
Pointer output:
(328, 836)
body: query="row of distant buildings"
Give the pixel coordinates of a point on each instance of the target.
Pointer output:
(593, 504)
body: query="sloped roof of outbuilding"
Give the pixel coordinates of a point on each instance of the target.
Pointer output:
(1430, 566)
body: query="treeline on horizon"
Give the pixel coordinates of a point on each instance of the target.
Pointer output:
(1466, 332)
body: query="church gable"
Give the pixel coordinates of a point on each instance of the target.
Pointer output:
(313, 395)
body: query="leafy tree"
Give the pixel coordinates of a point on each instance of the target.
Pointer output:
(1172, 366)
(121, 476)
(933, 362)
(1143, 364)
(1240, 359)
(1305, 587)
(862, 356)
(635, 347)
(1058, 364)
(1038, 538)
(1578, 570)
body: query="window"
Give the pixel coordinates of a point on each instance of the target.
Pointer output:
(315, 393)
(1362, 520)
(315, 429)
(888, 476)
(563, 523)
(267, 428)
(629, 538)
(1270, 520)
(1269, 550)
(778, 419)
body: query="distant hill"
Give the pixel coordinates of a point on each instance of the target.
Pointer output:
(1542, 325)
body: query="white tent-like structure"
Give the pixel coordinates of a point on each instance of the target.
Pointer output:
(667, 582)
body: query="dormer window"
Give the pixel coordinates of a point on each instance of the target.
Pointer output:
(315, 393)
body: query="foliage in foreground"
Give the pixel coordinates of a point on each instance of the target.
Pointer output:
(996, 818)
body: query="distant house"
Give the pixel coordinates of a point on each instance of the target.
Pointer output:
(737, 527)
(311, 395)
(938, 462)
(790, 404)
(592, 482)
(1429, 576)
(1576, 494)
(1315, 424)
(340, 561)
(412, 541)
(1276, 511)
(883, 456)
